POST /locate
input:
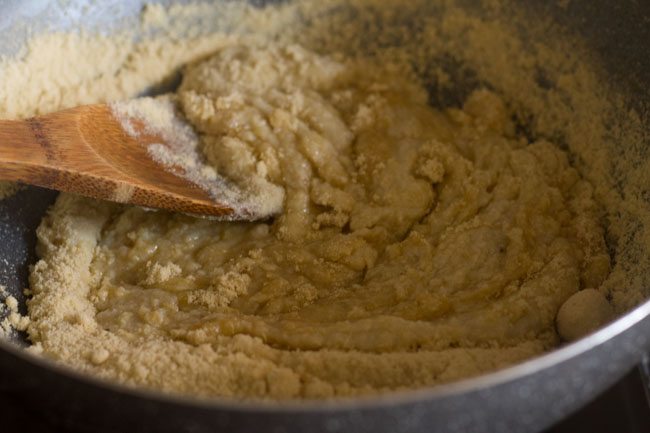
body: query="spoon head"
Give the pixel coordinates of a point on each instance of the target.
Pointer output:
(151, 156)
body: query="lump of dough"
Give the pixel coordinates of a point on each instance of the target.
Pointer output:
(582, 313)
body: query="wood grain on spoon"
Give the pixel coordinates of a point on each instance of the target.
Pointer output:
(85, 150)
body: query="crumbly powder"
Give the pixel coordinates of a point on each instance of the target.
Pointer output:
(7, 189)
(452, 50)
(11, 319)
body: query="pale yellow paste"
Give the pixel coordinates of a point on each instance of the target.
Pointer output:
(415, 246)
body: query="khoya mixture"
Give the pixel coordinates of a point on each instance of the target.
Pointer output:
(414, 245)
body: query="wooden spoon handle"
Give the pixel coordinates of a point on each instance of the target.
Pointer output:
(29, 155)
(23, 144)
(85, 150)
(50, 151)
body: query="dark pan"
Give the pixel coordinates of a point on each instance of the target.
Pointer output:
(525, 398)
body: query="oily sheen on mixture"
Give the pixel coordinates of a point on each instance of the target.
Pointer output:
(415, 247)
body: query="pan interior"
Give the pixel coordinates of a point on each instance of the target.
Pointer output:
(624, 141)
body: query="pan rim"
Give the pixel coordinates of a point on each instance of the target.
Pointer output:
(392, 399)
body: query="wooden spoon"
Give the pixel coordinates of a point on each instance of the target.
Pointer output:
(85, 150)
